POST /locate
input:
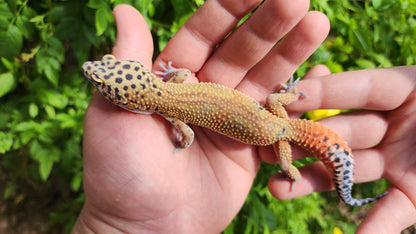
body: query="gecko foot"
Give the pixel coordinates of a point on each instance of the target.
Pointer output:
(166, 70)
(290, 87)
(285, 177)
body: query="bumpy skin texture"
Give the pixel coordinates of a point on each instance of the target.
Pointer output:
(131, 86)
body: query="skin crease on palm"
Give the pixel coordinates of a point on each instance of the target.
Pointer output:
(133, 182)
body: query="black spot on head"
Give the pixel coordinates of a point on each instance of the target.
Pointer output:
(136, 68)
(129, 76)
(143, 86)
(133, 86)
(126, 66)
(147, 80)
(159, 94)
(126, 95)
(116, 90)
(118, 97)
(119, 80)
(109, 89)
(143, 73)
(106, 77)
(125, 87)
(154, 86)
(111, 68)
(119, 72)
(117, 63)
(139, 77)
(88, 67)
(102, 63)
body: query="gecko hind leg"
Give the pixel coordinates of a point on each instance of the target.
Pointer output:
(285, 96)
(284, 153)
(185, 134)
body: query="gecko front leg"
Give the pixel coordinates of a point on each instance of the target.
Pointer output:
(185, 135)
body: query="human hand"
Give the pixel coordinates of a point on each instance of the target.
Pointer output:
(383, 139)
(132, 180)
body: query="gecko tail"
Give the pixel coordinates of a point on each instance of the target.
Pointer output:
(359, 202)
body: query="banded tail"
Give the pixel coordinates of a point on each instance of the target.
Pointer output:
(333, 151)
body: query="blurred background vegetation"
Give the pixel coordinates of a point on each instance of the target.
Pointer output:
(43, 97)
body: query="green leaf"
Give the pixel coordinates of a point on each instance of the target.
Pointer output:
(360, 38)
(45, 167)
(26, 126)
(11, 42)
(48, 65)
(101, 21)
(50, 111)
(54, 98)
(46, 156)
(9, 65)
(6, 142)
(8, 82)
(33, 110)
(26, 27)
(365, 64)
(10, 189)
(76, 182)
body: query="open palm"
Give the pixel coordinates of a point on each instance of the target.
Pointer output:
(132, 179)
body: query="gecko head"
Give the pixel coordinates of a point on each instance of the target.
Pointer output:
(98, 72)
(119, 81)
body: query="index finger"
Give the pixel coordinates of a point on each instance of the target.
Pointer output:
(372, 89)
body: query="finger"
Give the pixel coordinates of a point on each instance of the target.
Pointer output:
(369, 166)
(391, 214)
(134, 40)
(197, 38)
(359, 130)
(318, 70)
(252, 40)
(375, 89)
(281, 62)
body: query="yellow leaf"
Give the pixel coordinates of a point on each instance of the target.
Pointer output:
(320, 114)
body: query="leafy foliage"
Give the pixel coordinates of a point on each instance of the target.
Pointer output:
(43, 95)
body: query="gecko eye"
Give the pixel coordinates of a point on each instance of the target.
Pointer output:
(95, 78)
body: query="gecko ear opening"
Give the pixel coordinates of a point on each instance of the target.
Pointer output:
(96, 79)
